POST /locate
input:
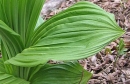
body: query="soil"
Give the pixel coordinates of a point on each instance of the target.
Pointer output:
(107, 66)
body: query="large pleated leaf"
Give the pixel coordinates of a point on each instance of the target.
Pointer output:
(81, 31)
(11, 40)
(7, 78)
(11, 45)
(68, 73)
(21, 16)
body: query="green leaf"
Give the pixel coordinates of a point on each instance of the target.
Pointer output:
(11, 40)
(121, 44)
(121, 48)
(67, 73)
(21, 16)
(11, 45)
(9, 79)
(81, 12)
(39, 22)
(76, 33)
(32, 14)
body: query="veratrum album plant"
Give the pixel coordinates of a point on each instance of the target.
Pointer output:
(78, 32)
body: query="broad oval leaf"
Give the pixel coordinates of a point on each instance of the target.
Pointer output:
(67, 73)
(81, 31)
